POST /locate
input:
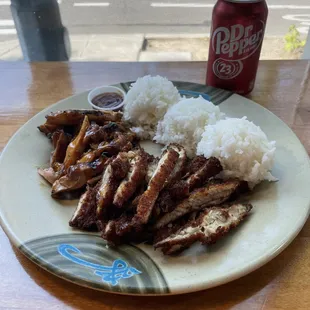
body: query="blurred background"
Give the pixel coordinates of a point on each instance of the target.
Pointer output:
(135, 30)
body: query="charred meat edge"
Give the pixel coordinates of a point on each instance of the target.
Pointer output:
(202, 197)
(211, 168)
(85, 216)
(135, 176)
(212, 224)
(115, 229)
(163, 170)
(182, 188)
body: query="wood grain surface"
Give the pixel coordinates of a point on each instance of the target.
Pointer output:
(283, 87)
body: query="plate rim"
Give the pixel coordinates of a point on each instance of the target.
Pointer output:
(276, 250)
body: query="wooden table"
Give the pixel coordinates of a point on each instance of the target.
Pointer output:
(282, 86)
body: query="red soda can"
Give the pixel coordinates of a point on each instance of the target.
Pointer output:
(237, 34)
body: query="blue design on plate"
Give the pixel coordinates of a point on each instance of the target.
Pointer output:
(192, 93)
(110, 274)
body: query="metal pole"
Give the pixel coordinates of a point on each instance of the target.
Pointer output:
(40, 31)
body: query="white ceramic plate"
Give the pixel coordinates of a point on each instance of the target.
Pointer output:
(38, 224)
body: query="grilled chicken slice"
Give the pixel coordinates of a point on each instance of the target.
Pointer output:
(96, 134)
(113, 127)
(60, 141)
(84, 216)
(56, 120)
(209, 195)
(134, 178)
(212, 224)
(78, 175)
(121, 143)
(162, 172)
(77, 146)
(91, 155)
(170, 229)
(180, 166)
(112, 176)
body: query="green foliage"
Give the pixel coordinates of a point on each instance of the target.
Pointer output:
(293, 43)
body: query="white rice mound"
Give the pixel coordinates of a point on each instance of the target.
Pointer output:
(146, 103)
(242, 147)
(185, 121)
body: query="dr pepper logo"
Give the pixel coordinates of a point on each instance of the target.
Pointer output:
(237, 42)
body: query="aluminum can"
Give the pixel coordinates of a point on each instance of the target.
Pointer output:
(237, 34)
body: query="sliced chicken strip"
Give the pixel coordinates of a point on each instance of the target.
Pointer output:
(152, 165)
(77, 146)
(181, 189)
(163, 170)
(123, 230)
(112, 176)
(115, 230)
(134, 178)
(60, 142)
(85, 216)
(211, 168)
(203, 197)
(180, 166)
(211, 225)
(195, 164)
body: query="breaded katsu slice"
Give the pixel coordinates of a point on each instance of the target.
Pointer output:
(200, 198)
(211, 224)
(157, 182)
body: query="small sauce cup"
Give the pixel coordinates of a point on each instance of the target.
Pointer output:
(106, 98)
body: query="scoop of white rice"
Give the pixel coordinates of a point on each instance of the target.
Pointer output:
(242, 147)
(185, 121)
(146, 103)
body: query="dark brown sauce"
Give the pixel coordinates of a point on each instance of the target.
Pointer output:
(108, 100)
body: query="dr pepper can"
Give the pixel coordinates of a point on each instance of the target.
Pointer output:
(237, 34)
